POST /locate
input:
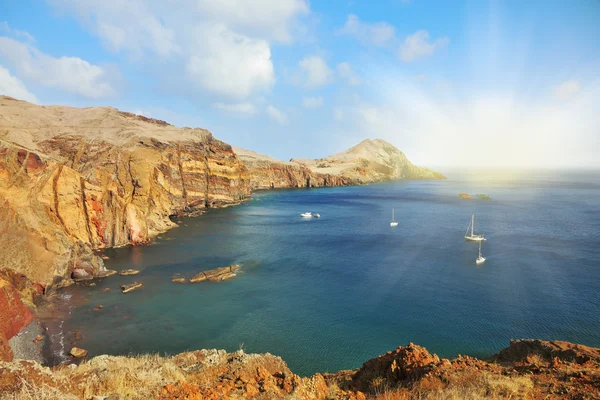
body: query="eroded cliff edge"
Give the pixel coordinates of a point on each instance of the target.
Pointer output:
(76, 180)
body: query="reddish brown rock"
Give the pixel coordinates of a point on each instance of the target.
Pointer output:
(400, 367)
(549, 351)
(14, 315)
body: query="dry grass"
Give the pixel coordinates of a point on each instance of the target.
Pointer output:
(142, 376)
(469, 385)
(36, 391)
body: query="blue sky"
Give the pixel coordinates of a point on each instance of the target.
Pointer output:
(451, 83)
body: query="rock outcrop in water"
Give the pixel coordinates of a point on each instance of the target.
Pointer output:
(525, 370)
(76, 180)
(368, 162)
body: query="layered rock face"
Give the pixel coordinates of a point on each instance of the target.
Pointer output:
(75, 180)
(269, 173)
(368, 162)
(543, 371)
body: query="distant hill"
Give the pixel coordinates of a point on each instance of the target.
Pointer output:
(368, 162)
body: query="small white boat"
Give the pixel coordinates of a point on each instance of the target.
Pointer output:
(316, 215)
(307, 214)
(473, 237)
(480, 259)
(394, 223)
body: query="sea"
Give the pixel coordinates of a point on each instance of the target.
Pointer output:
(330, 293)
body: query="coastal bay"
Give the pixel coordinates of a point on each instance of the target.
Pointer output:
(328, 294)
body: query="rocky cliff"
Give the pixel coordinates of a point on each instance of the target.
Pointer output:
(270, 173)
(76, 180)
(527, 369)
(368, 162)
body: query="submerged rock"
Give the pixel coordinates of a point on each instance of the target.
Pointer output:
(106, 273)
(131, 287)
(126, 272)
(217, 274)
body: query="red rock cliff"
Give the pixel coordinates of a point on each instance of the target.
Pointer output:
(14, 315)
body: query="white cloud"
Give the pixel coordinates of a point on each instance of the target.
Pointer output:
(316, 72)
(418, 45)
(229, 64)
(4, 27)
(567, 89)
(313, 102)
(272, 19)
(223, 46)
(377, 34)
(13, 87)
(276, 115)
(130, 26)
(70, 74)
(246, 108)
(346, 71)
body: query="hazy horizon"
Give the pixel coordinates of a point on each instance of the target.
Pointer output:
(472, 84)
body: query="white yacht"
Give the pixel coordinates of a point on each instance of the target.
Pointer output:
(480, 259)
(394, 223)
(307, 214)
(473, 237)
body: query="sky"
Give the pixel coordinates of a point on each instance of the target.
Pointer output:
(450, 83)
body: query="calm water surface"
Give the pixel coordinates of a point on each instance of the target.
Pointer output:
(330, 293)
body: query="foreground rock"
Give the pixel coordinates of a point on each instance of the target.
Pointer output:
(368, 162)
(131, 287)
(524, 372)
(73, 181)
(217, 274)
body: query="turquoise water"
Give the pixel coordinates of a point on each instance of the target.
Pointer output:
(330, 293)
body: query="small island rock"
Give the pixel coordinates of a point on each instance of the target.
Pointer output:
(78, 352)
(131, 287)
(126, 272)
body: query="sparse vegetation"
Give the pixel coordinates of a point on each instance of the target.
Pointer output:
(408, 373)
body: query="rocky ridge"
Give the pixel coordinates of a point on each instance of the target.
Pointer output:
(527, 369)
(368, 162)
